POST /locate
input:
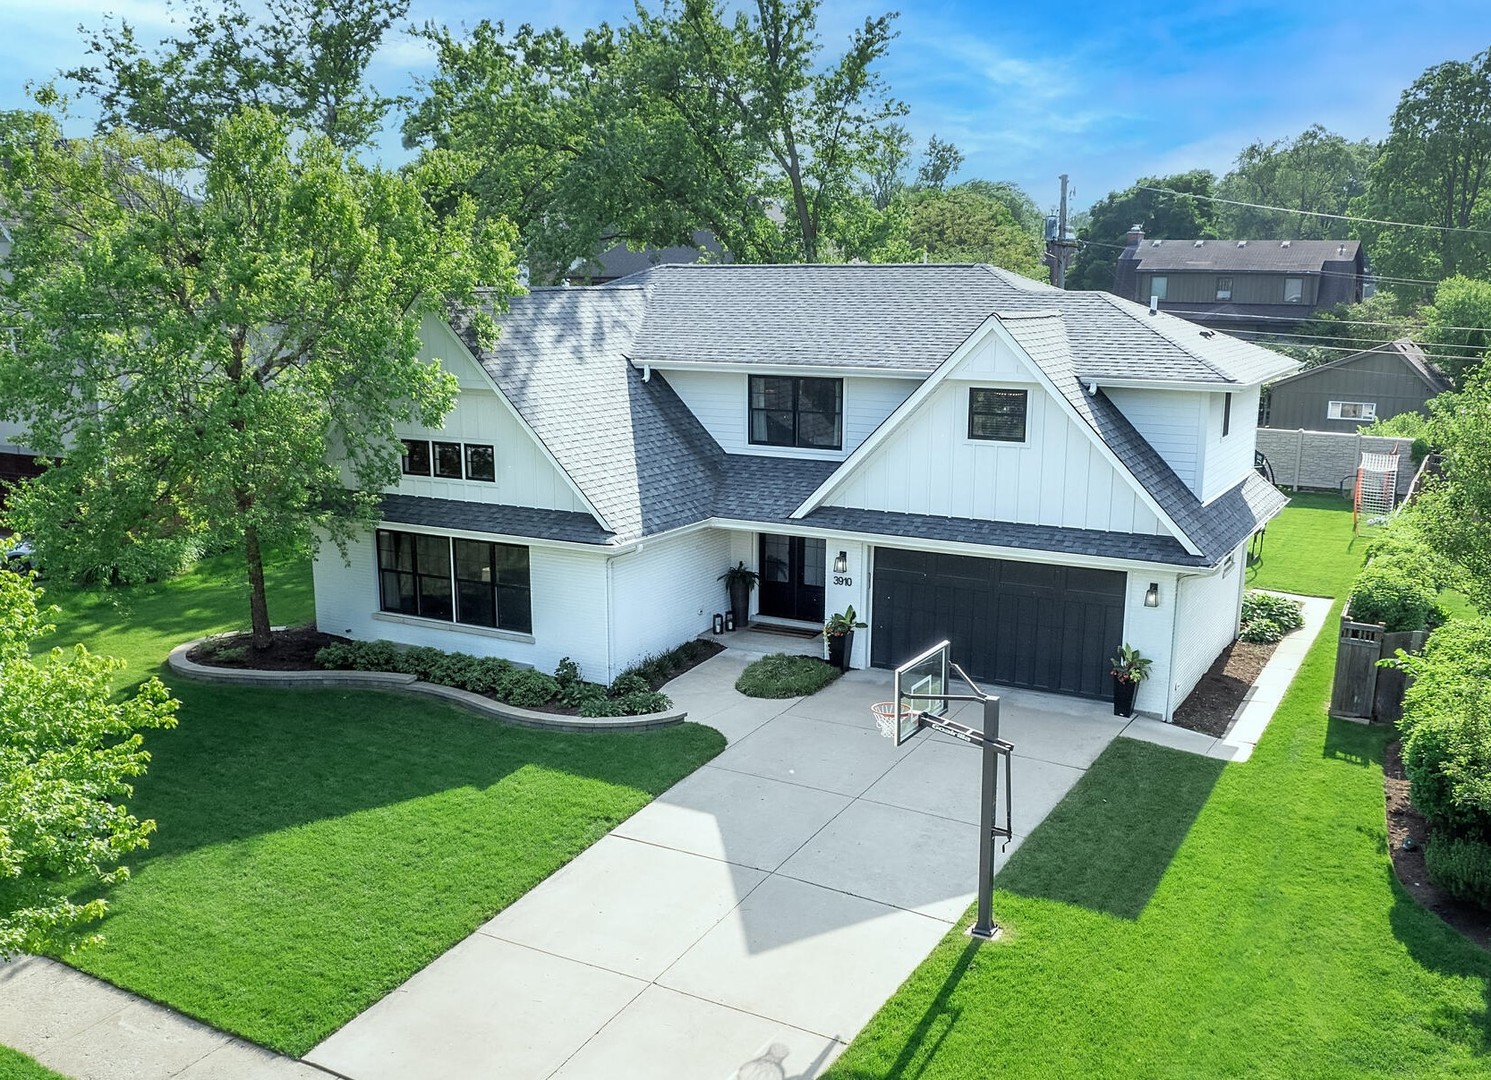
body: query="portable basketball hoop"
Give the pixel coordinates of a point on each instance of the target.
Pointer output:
(921, 701)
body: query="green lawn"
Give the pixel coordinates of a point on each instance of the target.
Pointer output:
(17, 1066)
(1309, 549)
(1177, 918)
(317, 848)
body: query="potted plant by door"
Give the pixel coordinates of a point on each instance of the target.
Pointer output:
(739, 582)
(1129, 667)
(839, 630)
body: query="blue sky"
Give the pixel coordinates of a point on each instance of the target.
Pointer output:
(1106, 92)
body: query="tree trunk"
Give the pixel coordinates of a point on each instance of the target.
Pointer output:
(258, 602)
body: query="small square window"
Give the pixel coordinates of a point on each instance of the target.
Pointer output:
(1224, 288)
(1159, 286)
(997, 415)
(448, 460)
(416, 459)
(481, 462)
(1294, 290)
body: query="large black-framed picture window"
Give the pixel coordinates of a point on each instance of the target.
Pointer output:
(791, 411)
(996, 415)
(475, 582)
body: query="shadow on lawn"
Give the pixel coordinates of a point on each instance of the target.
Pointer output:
(1436, 946)
(1108, 843)
(1355, 744)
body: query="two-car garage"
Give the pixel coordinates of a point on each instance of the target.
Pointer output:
(1016, 624)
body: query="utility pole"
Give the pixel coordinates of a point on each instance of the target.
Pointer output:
(1060, 244)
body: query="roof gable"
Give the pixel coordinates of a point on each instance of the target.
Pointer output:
(1405, 351)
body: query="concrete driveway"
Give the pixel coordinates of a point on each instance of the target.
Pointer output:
(747, 923)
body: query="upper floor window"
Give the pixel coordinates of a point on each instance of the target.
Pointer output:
(1226, 414)
(1351, 410)
(997, 415)
(1159, 287)
(1294, 290)
(445, 459)
(790, 411)
(1224, 288)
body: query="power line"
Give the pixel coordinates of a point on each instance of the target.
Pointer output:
(1300, 320)
(1318, 213)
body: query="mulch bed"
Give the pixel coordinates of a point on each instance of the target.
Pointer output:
(289, 650)
(1211, 706)
(1404, 821)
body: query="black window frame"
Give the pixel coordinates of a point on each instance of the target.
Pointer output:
(756, 390)
(975, 412)
(412, 449)
(506, 605)
(439, 447)
(491, 469)
(1226, 414)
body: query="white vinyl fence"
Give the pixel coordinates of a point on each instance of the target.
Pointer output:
(1328, 459)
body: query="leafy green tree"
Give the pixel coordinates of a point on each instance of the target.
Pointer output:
(1024, 209)
(220, 352)
(68, 748)
(939, 164)
(1346, 328)
(1456, 513)
(1433, 170)
(305, 60)
(1457, 326)
(886, 172)
(1316, 170)
(1173, 217)
(968, 225)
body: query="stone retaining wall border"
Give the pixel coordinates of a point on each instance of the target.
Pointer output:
(400, 682)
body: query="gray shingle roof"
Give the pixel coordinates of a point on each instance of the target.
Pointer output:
(1405, 350)
(568, 361)
(911, 318)
(577, 528)
(1301, 256)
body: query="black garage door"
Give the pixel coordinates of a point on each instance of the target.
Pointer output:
(1014, 624)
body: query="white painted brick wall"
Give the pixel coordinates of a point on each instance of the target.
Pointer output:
(667, 593)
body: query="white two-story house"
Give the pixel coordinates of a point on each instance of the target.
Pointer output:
(956, 451)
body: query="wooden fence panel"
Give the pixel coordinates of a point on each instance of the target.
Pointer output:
(1354, 692)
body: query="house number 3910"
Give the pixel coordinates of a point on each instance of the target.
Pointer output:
(841, 579)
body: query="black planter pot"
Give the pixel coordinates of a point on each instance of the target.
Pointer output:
(840, 649)
(740, 603)
(1123, 696)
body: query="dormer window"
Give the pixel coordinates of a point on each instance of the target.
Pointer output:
(791, 411)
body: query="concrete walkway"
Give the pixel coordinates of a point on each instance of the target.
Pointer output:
(85, 1028)
(757, 914)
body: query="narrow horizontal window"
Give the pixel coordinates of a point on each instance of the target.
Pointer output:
(1351, 410)
(997, 415)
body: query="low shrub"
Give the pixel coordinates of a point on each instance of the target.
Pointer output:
(781, 675)
(528, 689)
(421, 661)
(629, 682)
(636, 703)
(1387, 593)
(1461, 867)
(488, 675)
(1267, 618)
(1446, 728)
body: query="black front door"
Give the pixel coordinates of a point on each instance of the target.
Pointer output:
(792, 577)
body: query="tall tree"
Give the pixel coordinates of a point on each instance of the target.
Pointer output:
(220, 353)
(1457, 326)
(886, 173)
(1162, 216)
(1344, 329)
(1433, 171)
(1457, 512)
(968, 225)
(1315, 172)
(68, 748)
(940, 163)
(305, 60)
(1015, 199)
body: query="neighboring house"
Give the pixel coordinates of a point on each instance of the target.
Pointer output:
(16, 461)
(619, 261)
(1038, 475)
(1241, 284)
(1345, 394)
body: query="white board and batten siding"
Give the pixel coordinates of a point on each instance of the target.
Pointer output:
(1207, 610)
(721, 401)
(666, 593)
(526, 476)
(569, 609)
(1058, 476)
